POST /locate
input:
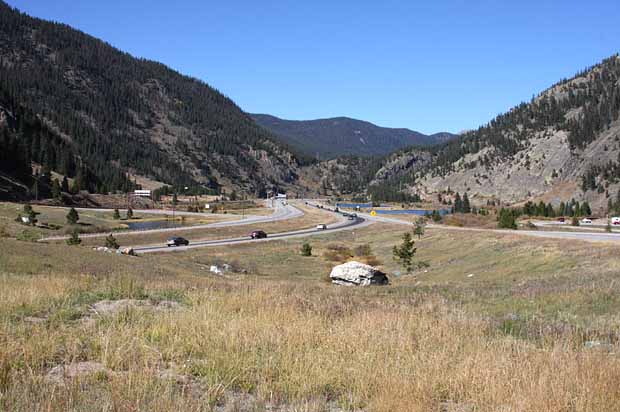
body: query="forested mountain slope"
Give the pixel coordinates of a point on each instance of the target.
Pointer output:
(85, 109)
(343, 136)
(564, 143)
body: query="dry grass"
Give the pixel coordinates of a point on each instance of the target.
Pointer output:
(285, 337)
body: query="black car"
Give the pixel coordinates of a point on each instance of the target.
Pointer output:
(177, 241)
(258, 234)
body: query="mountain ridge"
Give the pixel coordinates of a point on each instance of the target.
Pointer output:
(341, 136)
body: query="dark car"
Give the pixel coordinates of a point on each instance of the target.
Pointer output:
(258, 234)
(177, 241)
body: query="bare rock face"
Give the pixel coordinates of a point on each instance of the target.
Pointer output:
(357, 274)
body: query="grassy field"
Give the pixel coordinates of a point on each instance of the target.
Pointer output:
(494, 323)
(311, 218)
(91, 221)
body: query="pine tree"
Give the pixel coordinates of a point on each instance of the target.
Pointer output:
(466, 205)
(404, 253)
(116, 215)
(64, 186)
(419, 228)
(73, 217)
(56, 191)
(507, 219)
(129, 213)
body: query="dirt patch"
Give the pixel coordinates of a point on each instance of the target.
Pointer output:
(59, 374)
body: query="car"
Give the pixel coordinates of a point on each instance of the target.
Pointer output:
(321, 227)
(258, 234)
(351, 217)
(615, 221)
(561, 220)
(585, 221)
(177, 241)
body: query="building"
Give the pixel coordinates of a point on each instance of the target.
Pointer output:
(142, 193)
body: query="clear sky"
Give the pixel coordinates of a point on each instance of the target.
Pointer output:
(434, 65)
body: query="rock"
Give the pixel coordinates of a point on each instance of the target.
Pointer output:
(35, 319)
(357, 274)
(75, 370)
(111, 307)
(128, 251)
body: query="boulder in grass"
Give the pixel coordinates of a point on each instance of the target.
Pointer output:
(357, 274)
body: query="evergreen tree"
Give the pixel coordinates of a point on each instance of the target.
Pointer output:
(56, 190)
(507, 219)
(73, 217)
(404, 253)
(466, 205)
(116, 215)
(458, 203)
(129, 213)
(64, 186)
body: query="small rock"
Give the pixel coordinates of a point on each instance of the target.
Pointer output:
(75, 370)
(34, 319)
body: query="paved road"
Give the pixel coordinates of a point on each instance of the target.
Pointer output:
(337, 227)
(587, 236)
(281, 211)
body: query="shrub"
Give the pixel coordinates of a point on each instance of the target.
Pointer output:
(575, 221)
(337, 253)
(110, 242)
(74, 239)
(306, 249)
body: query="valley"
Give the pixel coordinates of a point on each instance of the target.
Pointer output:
(165, 247)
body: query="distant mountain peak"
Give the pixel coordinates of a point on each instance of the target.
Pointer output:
(337, 136)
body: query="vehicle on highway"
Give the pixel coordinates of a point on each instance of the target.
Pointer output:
(615, 221)
(321, 227)
(258, 234)
(351, 217)
(561, 220)
(177, 241)
(585, 221)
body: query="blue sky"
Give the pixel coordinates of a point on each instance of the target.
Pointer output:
(443, 65)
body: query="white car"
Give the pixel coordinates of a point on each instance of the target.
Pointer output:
(585, 221)
(615, 221)
(321, 227)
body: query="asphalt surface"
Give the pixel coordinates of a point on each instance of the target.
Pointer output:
(280, 212)
(337, 227)
(586, 236)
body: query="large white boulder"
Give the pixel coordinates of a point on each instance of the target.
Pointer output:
(357, 274)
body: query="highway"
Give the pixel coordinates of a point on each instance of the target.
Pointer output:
(585, 236)
(337, 227)
(280, 212)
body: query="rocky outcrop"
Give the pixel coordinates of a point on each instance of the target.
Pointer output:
(357, 274)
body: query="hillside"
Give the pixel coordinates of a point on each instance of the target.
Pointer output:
(565, 143)
(86, 110)
(339, 136)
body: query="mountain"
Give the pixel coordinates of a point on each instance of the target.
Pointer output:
(338, 136)
(563, 144)
(79, 107)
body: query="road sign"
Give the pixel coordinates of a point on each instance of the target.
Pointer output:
(373, 213)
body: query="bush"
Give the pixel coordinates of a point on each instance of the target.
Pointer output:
(74, 239)
(111, 242)
(507, 219)
(337, 253)
(575, 221)
(306, 249)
